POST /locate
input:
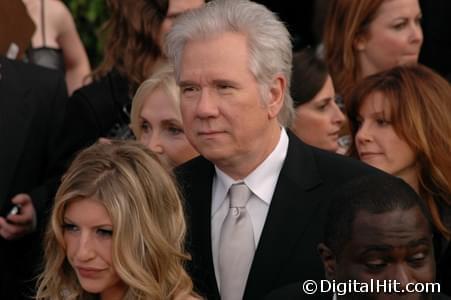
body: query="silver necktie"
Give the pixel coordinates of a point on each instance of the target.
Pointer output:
(236, 246)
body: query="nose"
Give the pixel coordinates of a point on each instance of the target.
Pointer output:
(401, 277)
(338, 117)
(363, 135)
(416, 34)
(207, 105)
(86, 249)
(154, 143)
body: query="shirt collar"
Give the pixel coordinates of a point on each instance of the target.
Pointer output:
(262, 181)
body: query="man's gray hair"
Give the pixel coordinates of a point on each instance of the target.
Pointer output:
(269, 42)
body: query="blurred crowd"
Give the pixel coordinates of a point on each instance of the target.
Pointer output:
(227, 149)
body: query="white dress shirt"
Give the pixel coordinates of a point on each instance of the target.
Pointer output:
(262, 183)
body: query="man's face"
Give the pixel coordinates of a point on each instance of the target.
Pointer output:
(225, 117)
(392, 246)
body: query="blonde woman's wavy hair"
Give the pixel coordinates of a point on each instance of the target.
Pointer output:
(148, 223)
(164, 78)
(420, 106)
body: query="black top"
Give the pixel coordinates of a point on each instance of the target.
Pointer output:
(99, 109)
(46, 56)
(32, 104)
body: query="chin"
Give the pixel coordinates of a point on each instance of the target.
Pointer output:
(332, 147)
(93, 288)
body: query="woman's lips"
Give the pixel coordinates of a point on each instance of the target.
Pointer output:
(89, 272)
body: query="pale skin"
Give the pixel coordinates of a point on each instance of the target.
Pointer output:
(394, 37)
(318, 121)
(380, 146)
(162, 130)
(225, 117)
(88, 231)
(16, 226)
(61, 33)
(88, 237)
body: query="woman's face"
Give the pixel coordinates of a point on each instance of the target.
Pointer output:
(393, 38)
(87, 231)
(176, 7)
(162, 129)
(377, 142)
(318, 121)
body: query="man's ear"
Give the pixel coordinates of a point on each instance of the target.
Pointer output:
(276, 95)
(329, 261)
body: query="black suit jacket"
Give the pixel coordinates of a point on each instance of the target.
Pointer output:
(32, 103)
(286, 252)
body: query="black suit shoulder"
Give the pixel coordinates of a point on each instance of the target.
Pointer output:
(92, 112)
(440, 297)
(333, 164)
(192, 169)
(33, 101)
(313, 165)
(100, 104)
(192, 175)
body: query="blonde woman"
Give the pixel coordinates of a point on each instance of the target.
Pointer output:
(117, 229)
(156, 119)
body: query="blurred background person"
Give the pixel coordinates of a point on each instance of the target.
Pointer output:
(156, 119)
(32, 104)
(363, 37)
(318, 117)
(400, 123)
(117, 229)
(134, 33)
(56, 43)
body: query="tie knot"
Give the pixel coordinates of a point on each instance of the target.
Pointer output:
(239, 194)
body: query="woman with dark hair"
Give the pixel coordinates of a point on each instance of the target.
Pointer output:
(318, 118)
(133, 49)
(400, 122)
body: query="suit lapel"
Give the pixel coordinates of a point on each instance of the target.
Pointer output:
(15, 116)
(290, 211)
(201, 223)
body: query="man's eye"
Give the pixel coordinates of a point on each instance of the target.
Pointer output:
(225, 88)
(189, 90)
(375, 265)
(417, 258)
